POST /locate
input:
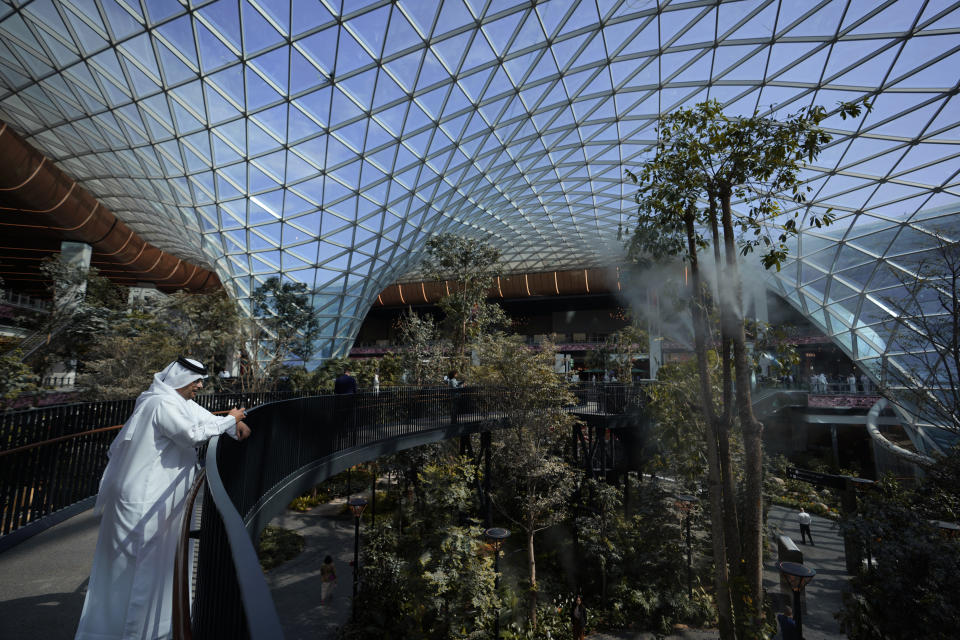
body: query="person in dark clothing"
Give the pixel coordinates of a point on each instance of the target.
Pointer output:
(345, 383)
(788, 626)
(578, 619)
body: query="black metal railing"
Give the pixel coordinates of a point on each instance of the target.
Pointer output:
(52, 457)
(298, 443)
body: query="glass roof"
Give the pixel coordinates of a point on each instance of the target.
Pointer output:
(324, 141)
(849, 280)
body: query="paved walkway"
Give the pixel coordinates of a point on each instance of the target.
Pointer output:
(824, 594)
(295, 584)
(43, 581)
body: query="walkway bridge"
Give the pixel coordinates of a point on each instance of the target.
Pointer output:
(296, 444)
(51, 460)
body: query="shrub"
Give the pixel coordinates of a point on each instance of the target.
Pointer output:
(277, 545)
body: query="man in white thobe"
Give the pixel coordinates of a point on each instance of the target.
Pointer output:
(153, 462)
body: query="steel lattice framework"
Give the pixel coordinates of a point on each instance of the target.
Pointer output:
(324, 141)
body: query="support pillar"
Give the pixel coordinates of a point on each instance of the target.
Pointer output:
(654, 334)
(485, 440)
(75, 257)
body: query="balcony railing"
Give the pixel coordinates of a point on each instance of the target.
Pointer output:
(52, 457)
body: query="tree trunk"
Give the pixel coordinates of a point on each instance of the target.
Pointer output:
(717, 538)
(532, 563)
(731, 523)
(752, 432)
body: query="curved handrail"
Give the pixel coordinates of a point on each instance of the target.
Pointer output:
(258, 605)
(876, 436)
(181, 566)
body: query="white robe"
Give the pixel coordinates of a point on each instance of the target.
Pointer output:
(153, 463)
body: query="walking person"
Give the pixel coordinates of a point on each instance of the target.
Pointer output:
(328, 579)
(152, 465)
(804, 519)
(578, 618)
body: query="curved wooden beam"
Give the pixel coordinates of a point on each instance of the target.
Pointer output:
(38, 197)
(574, 282)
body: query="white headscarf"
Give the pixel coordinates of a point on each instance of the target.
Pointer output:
(165, 383)
(177, 376)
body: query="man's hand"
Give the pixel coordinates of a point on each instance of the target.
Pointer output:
(238, 414)
(243, 431)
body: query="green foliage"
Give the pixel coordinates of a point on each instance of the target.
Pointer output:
(913, 563)
(470, 268)
(422, 354)
(309, 500)
(122, 358)
(447, 491)
(285, 329)
(553, 623)
(206, 326)
(757, 160)
(680, 426)
(457, 597)
(535, 480)
(787, 492)
(86, 306)
(436, 579)
(618, 351)
(637, 564)
(16, 378)
(655, 610)
(776, 342)
(387, 597)
(277, 545)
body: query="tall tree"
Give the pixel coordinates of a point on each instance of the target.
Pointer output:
(533, 480)
(285, 330)
(422, 351)
(704, 156)
(469, 269)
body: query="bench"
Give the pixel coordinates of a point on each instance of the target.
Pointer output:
(787, 550)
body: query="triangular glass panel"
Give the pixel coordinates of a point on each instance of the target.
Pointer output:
(258, 92)
(825, 21)
(404, 70)
(583, 15)
(759, 26)
(499, 32)
(258, 140)
(421, 14)
(224, 15)
(453, 15)
(160, 10)
(308, 14)
(213, 52)
(273, 66)
(317, 47)
(174, 69)
(400, 34)
(350, 54)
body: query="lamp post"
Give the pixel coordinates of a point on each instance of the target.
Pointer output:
(685, 504)
(797, 576)
(357, 505)
(496, 535)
